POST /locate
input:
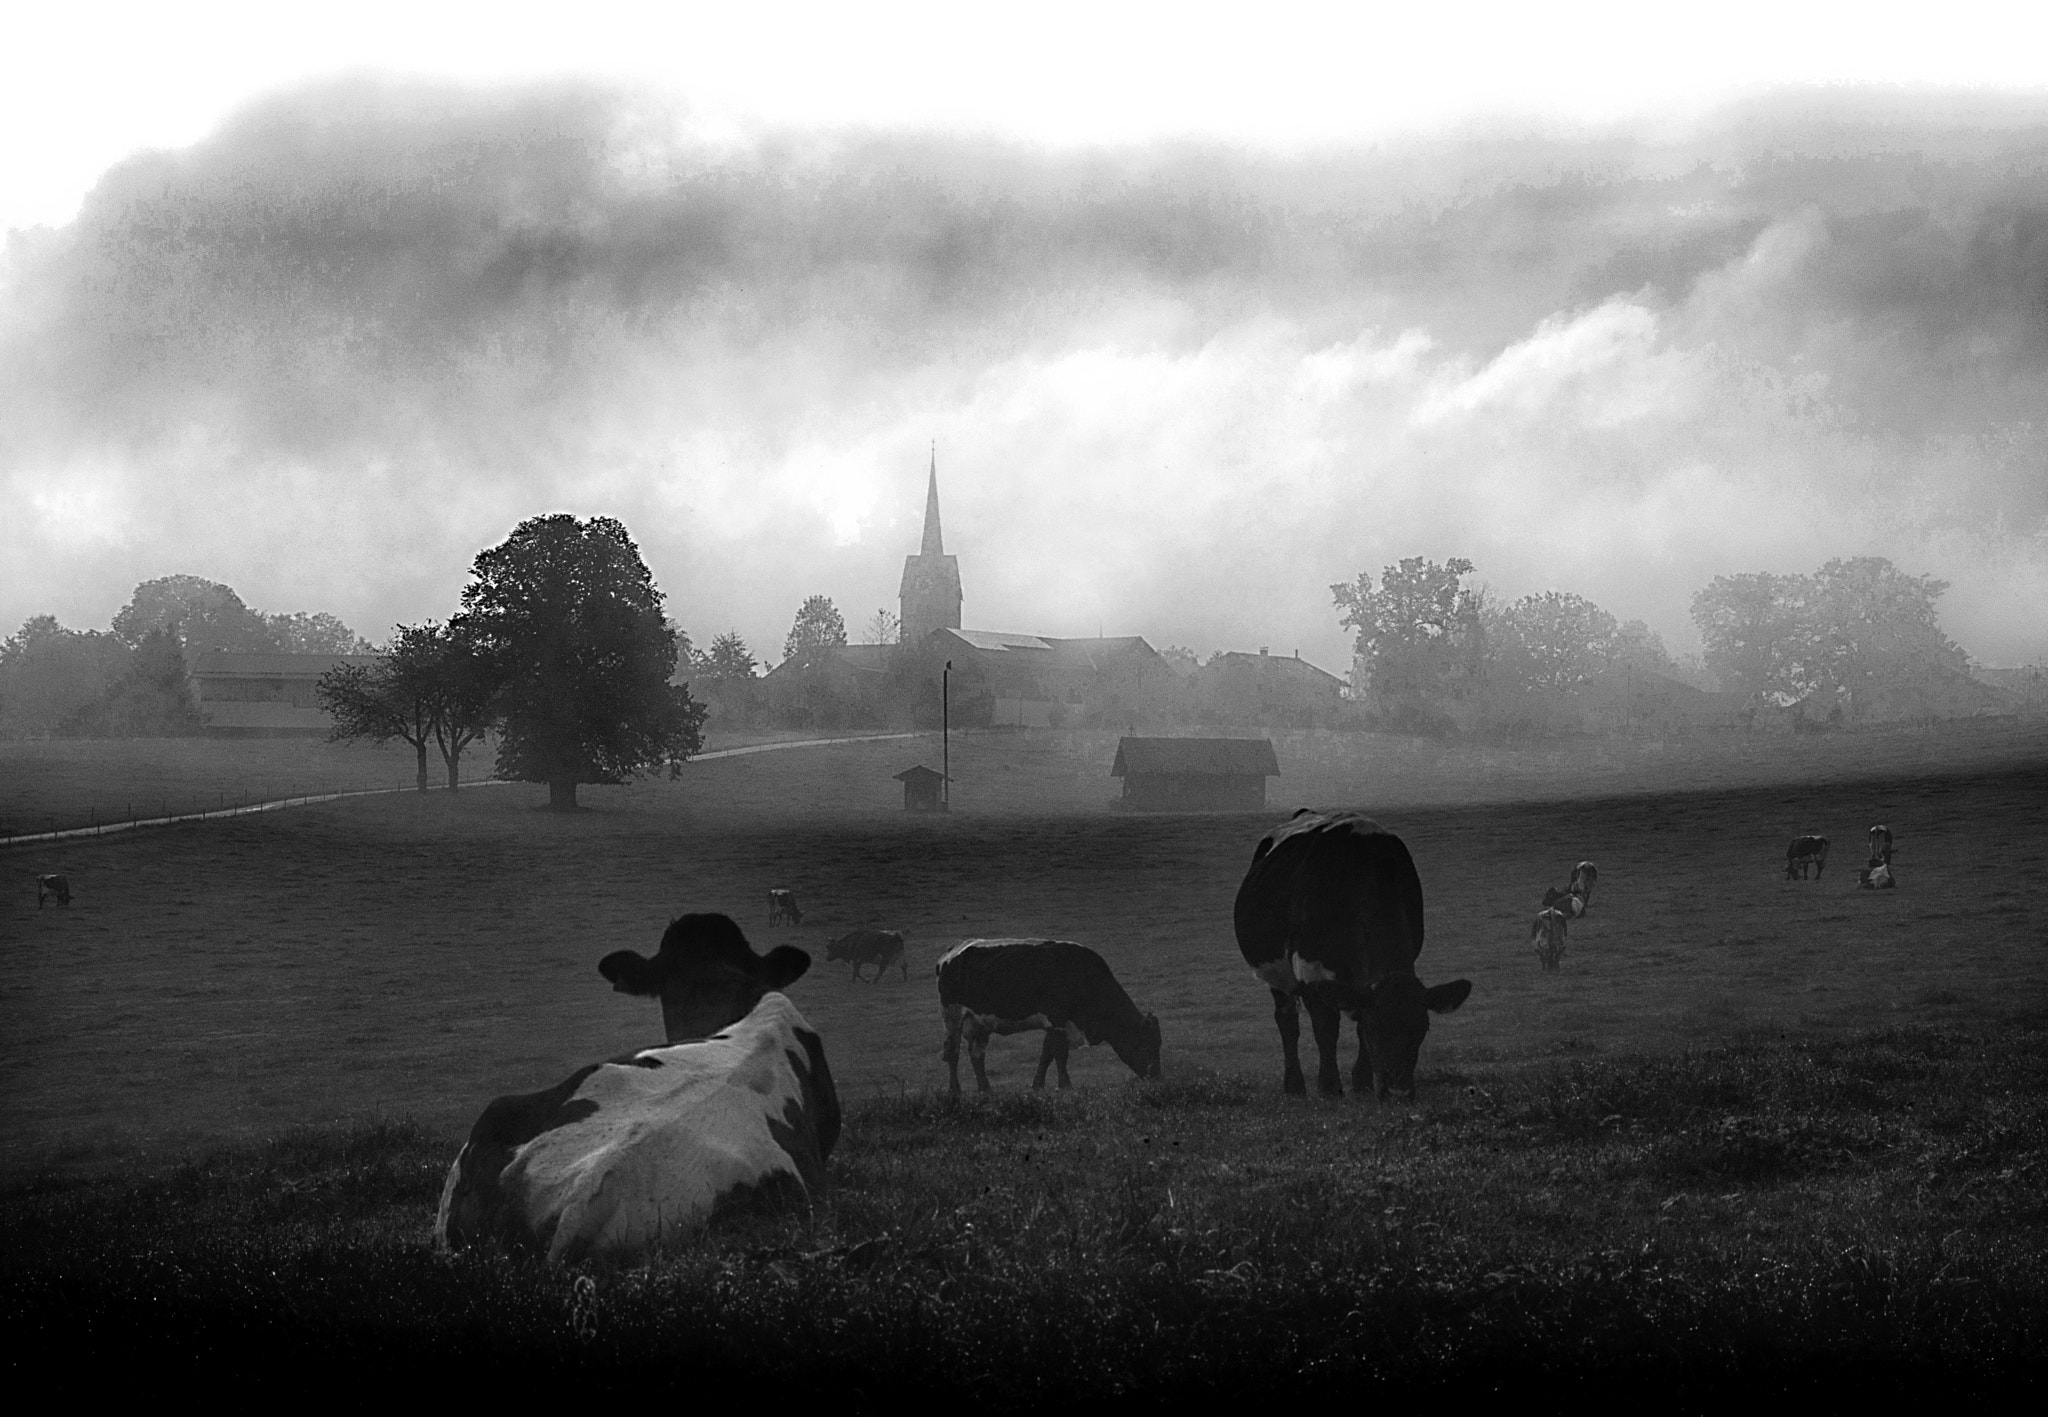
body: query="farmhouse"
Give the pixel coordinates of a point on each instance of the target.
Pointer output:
(1238, 688)
(263, 695)
(1194, 774)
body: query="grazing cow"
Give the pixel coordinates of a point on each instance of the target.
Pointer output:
(625, 1156)
(1805, 851)
(1880, 845)
(1546, 937)
(1877, 876)
(1013, 986)
(57, 886)
(1330, 914)
(782, 907)
(1570, 902)
(1584, 876)
(881, 948)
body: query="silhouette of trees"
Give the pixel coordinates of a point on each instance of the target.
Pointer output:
(818, 626)
(1420, 637)
(728, 658)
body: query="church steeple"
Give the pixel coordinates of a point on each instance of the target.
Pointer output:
(934, 543)
(930, 595)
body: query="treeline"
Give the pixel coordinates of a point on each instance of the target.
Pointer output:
(1857, 641)
(133, 678)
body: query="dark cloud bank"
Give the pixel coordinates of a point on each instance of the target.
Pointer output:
(334, 350)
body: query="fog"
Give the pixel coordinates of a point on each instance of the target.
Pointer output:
(331, 351)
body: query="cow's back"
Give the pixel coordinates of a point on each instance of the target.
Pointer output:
(625, 1155)
(1015, 978)
(1336, 890)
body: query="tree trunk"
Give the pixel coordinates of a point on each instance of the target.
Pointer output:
(454, 764)
(562, 795)
(423, 765)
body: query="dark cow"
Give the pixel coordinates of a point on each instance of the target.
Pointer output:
(1013, 986)
(782, 908)
(626, 1156)
(1330, 913)
(1546, 937)
(1806, 851)
(47, 886)
(881, 948)
(1880, 845)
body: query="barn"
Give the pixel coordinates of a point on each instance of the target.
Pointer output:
(1194, 774)
(264, 695)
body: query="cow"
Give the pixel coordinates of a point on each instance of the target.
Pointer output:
(1880, 845)
(881, 948)
(1570, 902)
(1330, 916)
(1806, 851)
(1584, 876)
(1546, 937)
(1877, 876)
(47, 886)
(626, 1156)
(1014, 986)
(782, 907)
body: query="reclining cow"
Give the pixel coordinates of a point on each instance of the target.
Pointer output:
(57, 886)
(624, 1157)
(1330, 915)
(782, 908)
(1546, 937)
(1804, 852)
(881, 948)
(1015, 986)
(1877, 876)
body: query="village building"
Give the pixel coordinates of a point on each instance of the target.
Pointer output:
(1266, 690)
(264, 695)
(1194, 774)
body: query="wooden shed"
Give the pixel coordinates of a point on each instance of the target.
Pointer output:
(1195, 774)
(921, 789)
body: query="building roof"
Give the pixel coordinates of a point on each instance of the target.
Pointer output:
(1203, 757)
(920, 773)
(1293, 666)
(1001, 642)
(226, 664)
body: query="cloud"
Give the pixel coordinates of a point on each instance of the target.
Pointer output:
(334, 350)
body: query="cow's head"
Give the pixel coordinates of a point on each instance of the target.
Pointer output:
(1395, 1020)
(1140, 1050)
(706, 975)
(835, 949)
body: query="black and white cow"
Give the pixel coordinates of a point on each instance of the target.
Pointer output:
(1877, 876)
(782, 908)
(1880, 845)
(1546, 937)
(1330, 914)
(881, 948)
(1014, 986)
(47, 886)
(1804, 852)
(625, 1156)
(1577, 894)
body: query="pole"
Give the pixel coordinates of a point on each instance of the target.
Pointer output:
(946, 735)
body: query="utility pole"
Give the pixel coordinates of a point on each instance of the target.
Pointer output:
(946, 736)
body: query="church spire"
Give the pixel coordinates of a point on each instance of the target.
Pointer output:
(934, 543)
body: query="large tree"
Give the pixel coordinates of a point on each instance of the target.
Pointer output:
(1753, 633)
(53, 678)
(1420, 635)
(317, 633)
(1875, 637)
(818, 626)
(1554, 641)
(728, 658)
(571, 617)
(204, 614)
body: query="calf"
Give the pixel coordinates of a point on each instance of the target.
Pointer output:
(1013, 986)
(1877, 876)
(1805, 851)
(57, 886)
(1546, 937)
(782, 908)
(881, 948)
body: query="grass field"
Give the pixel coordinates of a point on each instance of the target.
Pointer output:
(397, 961)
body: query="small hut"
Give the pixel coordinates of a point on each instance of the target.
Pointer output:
(1195, 774)
(921, 789)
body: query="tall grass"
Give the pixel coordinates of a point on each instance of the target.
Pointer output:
(1863, 1215)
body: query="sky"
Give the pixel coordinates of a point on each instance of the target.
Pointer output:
(1205, 308)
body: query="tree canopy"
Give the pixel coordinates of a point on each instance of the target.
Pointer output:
(818, 626)
(435, 686)
(728, 658)
(1420, 635)
(570, 617)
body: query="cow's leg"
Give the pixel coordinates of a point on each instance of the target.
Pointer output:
(1288, 1017)
(1045, 1057)
(1328, 1025)
(1053, 1055)
(1361, 1071)
(977, 1054)
(951, 1051)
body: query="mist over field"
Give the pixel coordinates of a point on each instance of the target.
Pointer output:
(333, 350)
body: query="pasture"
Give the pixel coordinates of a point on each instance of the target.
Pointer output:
(376, 970)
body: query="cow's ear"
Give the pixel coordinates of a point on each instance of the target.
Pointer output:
(784, 965)
(1442, 998)
(630, 973)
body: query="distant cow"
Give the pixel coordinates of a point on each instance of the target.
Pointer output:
(881, 948)
(626, 1156)
(782, 908)
(1877, 876)
(1805, 851)
(47, 886)
(1546, 937)
(1014, 986)
(1880, 846)
(1570, 902)
(1330, 913)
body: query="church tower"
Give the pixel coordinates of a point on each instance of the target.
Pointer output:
(931, 579)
